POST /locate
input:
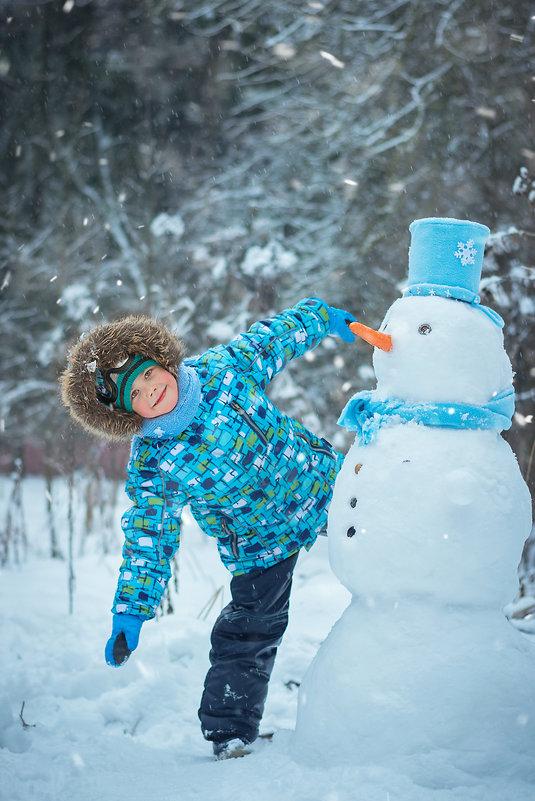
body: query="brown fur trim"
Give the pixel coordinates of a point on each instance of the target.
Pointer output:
(102, 348)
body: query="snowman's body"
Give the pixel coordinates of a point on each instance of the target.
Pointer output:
(426, 530)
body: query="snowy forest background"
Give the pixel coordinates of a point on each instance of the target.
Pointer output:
(214, 162)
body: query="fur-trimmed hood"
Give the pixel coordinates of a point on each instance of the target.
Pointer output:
(103, 348)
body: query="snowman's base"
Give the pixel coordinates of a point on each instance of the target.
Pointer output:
(416, 684)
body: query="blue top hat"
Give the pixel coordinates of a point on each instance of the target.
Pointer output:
(445, 258)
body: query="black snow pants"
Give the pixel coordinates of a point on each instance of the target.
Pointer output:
(244, 644)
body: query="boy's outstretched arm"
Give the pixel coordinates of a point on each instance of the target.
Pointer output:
(268, 345)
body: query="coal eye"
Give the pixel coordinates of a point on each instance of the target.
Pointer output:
(424, 329)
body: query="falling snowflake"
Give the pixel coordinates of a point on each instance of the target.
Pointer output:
(466, 252)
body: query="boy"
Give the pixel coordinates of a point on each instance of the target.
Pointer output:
(205, 434)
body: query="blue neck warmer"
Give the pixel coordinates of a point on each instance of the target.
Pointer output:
(365, 414)
(174, 422)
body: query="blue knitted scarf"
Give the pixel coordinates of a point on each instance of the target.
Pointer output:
(366, 414)
(174, 422)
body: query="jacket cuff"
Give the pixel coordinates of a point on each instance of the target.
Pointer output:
(320, 307)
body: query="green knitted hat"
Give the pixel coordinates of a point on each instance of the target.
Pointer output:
(114, 385)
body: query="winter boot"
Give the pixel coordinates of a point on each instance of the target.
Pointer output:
(231, 749)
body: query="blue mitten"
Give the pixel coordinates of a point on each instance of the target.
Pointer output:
(124, 639)
(339, 321)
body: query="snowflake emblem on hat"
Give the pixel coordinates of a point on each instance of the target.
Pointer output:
(466, 252)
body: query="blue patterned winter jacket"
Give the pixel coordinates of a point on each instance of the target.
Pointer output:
(253, 477)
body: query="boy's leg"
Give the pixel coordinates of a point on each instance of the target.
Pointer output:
(244, 644)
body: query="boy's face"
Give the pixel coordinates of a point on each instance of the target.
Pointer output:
(154, 392)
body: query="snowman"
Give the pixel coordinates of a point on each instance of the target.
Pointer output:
(426, 528)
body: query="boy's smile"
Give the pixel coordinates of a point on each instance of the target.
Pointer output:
(154, 392)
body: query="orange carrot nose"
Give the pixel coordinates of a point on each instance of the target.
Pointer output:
(375, 338)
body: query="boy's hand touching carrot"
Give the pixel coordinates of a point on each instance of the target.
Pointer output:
(339, 323)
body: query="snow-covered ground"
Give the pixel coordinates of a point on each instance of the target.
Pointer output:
(90, 732)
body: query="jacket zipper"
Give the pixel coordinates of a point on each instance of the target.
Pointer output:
(164, 510)
(317, 448)
(233, 538)
(247, 417)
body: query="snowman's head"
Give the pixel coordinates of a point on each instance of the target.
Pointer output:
(441, 350)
